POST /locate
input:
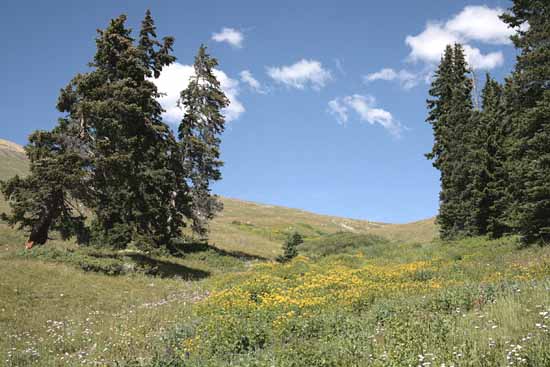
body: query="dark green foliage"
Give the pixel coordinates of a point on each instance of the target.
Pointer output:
(441, 91)
(495, 163)
(199, 133)
(529, 99)
(47, 199)
(451, 116)
(493, 181)
(112, 153)
(135, 182)
(290, 247)
(485, 156)
(462, 160)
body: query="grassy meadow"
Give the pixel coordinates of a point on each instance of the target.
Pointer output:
(359, 294)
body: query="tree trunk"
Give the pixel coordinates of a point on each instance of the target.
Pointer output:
(39, 232)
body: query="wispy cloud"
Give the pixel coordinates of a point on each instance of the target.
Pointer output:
(230, 35)
(253, 83)
(175, 78)
(339, 110)
(365, 108)
(340, 66)
(301, 74)
(407, 79)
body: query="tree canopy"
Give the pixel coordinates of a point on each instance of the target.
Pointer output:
(112, 157)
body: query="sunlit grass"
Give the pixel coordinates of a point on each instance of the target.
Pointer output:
(473, 302)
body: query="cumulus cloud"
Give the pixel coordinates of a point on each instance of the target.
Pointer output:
(253, 83)
(301, 74)
(175, 78)
(365, 108)
(483, 61)
(481, 23)
(473, 24)
(230, 35)
(407, 79)
(429, 45)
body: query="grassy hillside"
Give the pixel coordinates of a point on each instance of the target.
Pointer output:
(259, 229)
(12, 162)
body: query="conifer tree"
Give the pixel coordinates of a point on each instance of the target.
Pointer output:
(441, 91)
(529, 97)
(129, 145)
(461, 132)
(290, 247)
(493, 139)
(478, 164)
(47, 199)
(450, 114)
(130, 172)
(136, 177)
(199, 134)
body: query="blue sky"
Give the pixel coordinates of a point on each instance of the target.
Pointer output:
(328, 97)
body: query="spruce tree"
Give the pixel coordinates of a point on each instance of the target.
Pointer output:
(290, 247)
(461, 132)
(129, 171)
(132, 152)
(199, 134)
(48, 198)
(529, 97)
(493, 138)
(450, 114)
(441, 91)
(479, 149)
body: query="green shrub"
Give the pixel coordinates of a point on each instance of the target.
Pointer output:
(290, 247)
(340, 243)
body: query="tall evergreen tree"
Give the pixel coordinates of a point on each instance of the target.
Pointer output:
(441, 93)
(461, 133)
(111, 151)
(493, 139)
(529, 97)
(136, 195)
(199, 134)
(450, 114)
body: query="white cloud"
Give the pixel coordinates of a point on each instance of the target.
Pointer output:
(407, 79)
(474, 23)
(230, 35)
(253, 83)
(301, 74)
(365, 107)
(175, 78)
(340, 111)
(481, 23)
(430, 44)
(480, 61)
(384, 74)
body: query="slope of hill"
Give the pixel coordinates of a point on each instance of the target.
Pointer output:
(12, 159)
(259, 229)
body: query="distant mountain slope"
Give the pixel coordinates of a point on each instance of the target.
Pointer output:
(12, 159)
(255, 228)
